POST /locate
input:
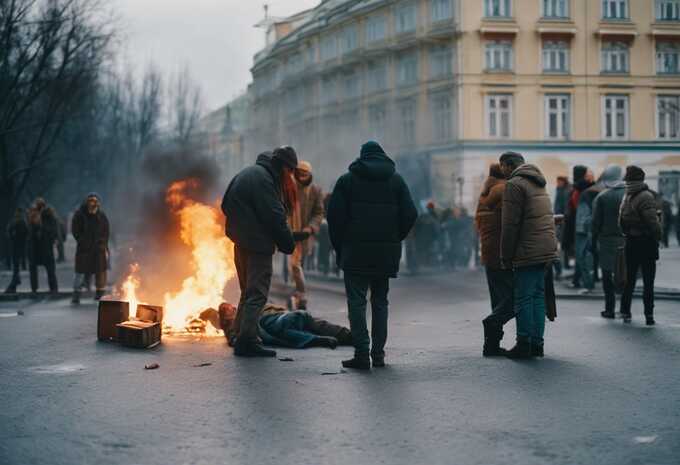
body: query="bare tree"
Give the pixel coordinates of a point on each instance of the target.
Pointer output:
(185, 106)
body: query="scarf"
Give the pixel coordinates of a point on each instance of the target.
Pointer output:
(633, 187)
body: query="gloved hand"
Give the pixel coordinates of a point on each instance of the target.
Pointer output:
(299, 236)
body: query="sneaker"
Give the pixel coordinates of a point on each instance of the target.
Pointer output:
(649, 321)
(253, 350)
(358, 363)
(607, 314)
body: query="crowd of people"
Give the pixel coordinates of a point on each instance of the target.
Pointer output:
(37, 233)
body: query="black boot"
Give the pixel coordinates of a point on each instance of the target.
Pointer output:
(608, 314)
(626, 317)
(75, 298)
(252, 349)
(492, 340)
(358, 363)
(344, 337)
(536, 350)
(99, 293)
(378, 361)
(649, 320)
(521, 350)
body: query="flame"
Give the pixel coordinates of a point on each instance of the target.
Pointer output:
(129, 289)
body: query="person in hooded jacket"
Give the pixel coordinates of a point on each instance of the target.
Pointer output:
(569, 230)
(500, 280)
(528, 246)
(42, 236)
(585, 264)
(639, 221)
(90, 228)
(607, 232)
(256, 204)
(370, 213)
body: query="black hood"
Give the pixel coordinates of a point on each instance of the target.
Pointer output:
(373, 163)
(531, 173)
(265, 160)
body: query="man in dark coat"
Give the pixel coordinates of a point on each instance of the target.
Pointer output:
(562, 193)
(256, 204)
(500, 280)
(529, 246)
(42, 236)
(370, 213)
(90, 228)
(569, 228)
(607, 233)
(583, 274)
(639, 220)
(17, 233)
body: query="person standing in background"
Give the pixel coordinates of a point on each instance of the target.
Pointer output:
(17, 233)
(562, 192)
(42, 236)
(583, 244)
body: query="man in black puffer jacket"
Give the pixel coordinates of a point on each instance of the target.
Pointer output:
(255, 205)
(370, 213)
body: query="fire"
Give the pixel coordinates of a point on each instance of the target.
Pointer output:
(129, 289)
(211, 267)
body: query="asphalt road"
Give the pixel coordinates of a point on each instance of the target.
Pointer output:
(606, 393)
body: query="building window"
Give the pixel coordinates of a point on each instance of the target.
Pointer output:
(668, 58)
(440, 61)
(348, 39)
(407, 122)
(294, 64)
(499, 115)
(376, 28)
(407, 69)
(377, 121)
(555, 57)
(615, 9)
(558, 116)
(668, 10)
(497, 8)
(406, 18)
(329, 91)
(441, 117)
(440, 10)
(499, 55)
(310, 55)
(615, 57)
(668, 117)
(615, 120)
(376, 76)
(351, 85)
(555, 8)
(329, 48)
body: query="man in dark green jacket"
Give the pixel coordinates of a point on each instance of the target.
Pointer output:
(370, 213)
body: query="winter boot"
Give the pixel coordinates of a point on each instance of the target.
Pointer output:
(522, 349)
(649, 320)
(75, 298)
(252, 349)
(536, 350)
(492, 340)
(344, 337)
(358, 363)
(99, 293)
(608, 314)
(626, 317)
(378, 361)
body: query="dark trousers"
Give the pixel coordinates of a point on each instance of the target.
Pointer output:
(609, 290)
(51, 275)
(641, 254)
(254, 272)
(16, 268)
(356, 287)
(501, 284)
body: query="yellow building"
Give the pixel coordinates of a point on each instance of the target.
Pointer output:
(447, 85)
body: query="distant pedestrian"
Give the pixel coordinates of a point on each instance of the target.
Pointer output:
(639, 220)
(666, 220)
(500, 280)
(583, 229)
(569, 229)
(256, 204)
(42, 237)
(370, 213)
(305, 219)
(91, 230)
(607, 233)
(528, 246)
(562, 192)
(17, 233)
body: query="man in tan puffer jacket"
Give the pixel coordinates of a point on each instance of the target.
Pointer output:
(528, 245)
(500, 280)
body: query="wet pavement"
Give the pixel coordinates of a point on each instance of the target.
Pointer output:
(606, 393)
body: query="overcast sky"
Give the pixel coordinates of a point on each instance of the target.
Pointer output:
(216, 38)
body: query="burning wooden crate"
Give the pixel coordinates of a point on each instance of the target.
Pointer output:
(115, 324)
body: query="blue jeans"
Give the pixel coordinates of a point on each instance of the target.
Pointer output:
(584, 260)
(530, 302)
(357, 287)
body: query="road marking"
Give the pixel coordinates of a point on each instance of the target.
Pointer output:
(59, 369)
(644, 439)
(8, 315)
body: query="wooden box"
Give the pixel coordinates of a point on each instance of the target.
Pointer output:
(139, 334)
(111, 313)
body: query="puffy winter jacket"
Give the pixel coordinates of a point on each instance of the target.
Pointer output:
(256, 217)
(488, 221)
(528, 228)
(639, 212)
(369, 214)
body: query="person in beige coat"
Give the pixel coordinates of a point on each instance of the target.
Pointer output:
(306, 218)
